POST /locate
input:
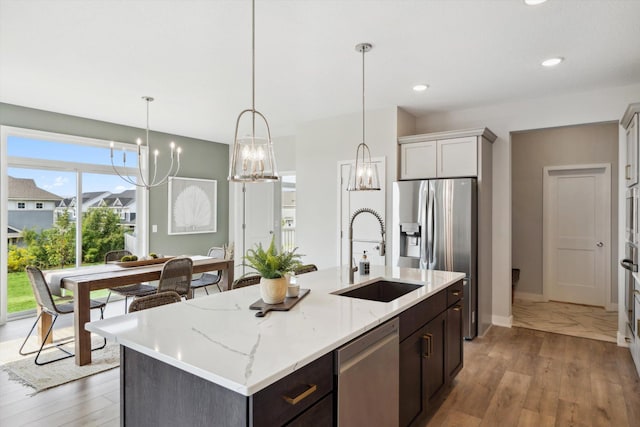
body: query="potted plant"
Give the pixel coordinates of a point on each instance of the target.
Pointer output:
(272, 267)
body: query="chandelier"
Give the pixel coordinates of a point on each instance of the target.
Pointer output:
(252, 158)
(154, 182)
(364, 175)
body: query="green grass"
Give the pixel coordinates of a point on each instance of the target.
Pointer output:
(20, 296)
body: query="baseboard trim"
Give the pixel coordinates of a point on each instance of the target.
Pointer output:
(504, 321)
(611, 307)
(622, 342)
(530, 297)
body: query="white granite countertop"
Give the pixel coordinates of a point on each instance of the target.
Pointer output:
(218, 337)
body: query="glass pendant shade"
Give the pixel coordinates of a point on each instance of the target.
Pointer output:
(252, 159)
(364, 174)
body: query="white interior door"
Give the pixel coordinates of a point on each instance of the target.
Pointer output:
(366, 228)
(260, 217)
(576, 224)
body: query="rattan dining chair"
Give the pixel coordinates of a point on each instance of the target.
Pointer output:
(249, 280)
(155, 300)
(209, 279)
(127, 291)
(176, 276)
(47, 304)
(307, 268)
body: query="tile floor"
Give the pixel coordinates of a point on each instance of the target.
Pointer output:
(568, 319)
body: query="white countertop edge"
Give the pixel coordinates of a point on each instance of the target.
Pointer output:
(255, 387)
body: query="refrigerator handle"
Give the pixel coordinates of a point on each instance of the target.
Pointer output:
(423, 213)
(430, 227)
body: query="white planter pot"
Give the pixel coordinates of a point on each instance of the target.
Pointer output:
(273, 291)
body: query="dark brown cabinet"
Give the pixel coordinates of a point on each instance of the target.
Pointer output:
(430, 356)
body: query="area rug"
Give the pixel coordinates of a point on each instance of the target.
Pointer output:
(26, 372)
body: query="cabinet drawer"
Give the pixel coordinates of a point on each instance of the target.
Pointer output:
(454, 293)
(282, 401)
(319, 415)
(421, 313)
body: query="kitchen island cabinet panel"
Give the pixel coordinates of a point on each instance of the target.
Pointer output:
(154, 393)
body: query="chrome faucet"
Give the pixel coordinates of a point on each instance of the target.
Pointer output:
(381, 248)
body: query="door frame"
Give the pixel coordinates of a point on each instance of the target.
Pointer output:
(546, 232)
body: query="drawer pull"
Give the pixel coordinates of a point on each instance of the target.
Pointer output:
(295, 400)
(457, 308)
(455, 293)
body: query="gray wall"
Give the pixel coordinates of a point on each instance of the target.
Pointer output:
(533, 150)
(200, 159)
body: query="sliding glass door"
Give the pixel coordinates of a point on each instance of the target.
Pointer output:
(62, 206)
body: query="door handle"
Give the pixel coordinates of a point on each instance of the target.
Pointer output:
(627, 168)
(628, 264)
(599, 244)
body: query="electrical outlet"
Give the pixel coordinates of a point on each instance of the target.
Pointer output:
(154, 228)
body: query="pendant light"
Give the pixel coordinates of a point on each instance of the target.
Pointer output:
(154, 182)
(252, 159)
(364, 175)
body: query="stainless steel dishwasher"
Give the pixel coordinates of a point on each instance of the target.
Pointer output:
(368, 378)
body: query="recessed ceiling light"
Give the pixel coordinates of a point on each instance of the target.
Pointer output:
(552, 62)
(420, 87)
(534, 2)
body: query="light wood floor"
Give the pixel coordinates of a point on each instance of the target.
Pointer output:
(512, 377)
(522, 377)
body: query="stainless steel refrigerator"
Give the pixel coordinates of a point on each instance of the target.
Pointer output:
(435, 228)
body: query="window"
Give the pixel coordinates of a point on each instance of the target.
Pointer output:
(53, 167)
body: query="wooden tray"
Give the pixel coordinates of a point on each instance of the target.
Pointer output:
(283, 306)
(141, 262)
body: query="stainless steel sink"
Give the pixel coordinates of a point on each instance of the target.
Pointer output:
(381, 290)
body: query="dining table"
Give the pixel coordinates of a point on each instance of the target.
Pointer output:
(82, 280)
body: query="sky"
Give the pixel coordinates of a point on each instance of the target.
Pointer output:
(63, 183)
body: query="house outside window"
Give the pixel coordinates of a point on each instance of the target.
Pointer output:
(39, 205)
(22, 205)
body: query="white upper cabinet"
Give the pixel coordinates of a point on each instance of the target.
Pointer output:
(458, 157)
(442, 155)
(630, 123)
(418, 160)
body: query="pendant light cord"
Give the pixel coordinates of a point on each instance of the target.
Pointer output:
(363, 127)
(253, 70)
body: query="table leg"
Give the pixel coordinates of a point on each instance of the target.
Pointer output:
(82, 315)
(227, 279)
(43, 326)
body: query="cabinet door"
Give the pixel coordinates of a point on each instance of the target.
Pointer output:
(457, 157)
(631, 168)
(454, 352)
(434, 342)
(412, 398)
(418, 160)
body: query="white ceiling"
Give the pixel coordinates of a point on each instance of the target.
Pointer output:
(96, 58)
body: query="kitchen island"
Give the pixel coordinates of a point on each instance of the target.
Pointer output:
(213, 351)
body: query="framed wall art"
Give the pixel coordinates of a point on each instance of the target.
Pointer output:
(192, 205)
